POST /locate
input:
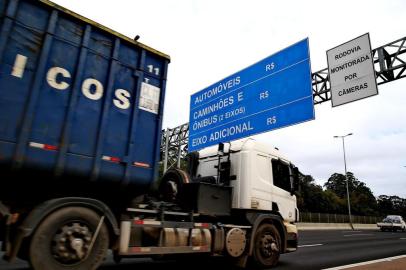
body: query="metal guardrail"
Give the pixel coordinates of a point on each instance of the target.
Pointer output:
(337, 218)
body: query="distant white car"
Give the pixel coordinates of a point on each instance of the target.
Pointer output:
(392, 223)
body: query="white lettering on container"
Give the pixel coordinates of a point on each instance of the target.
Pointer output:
(97, 93)
(53, 74)
(92, 88)
(19, 66)
(122, 99)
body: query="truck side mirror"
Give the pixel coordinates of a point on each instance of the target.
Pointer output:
(221, 149)
(295, 176)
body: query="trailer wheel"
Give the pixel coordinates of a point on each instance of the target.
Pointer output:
(62, 240)
(267, 246)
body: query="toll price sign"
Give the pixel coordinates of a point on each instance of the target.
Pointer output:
(275, 92)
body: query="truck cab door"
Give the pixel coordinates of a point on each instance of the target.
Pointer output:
(282, 196)
(261, 184)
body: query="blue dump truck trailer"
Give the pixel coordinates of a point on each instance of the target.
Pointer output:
(77, 101)
(80, 130)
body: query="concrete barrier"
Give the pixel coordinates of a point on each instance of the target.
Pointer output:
(303, 226)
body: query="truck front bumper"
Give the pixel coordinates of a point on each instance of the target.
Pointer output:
(292, 237)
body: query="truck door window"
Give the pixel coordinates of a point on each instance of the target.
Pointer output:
(281, 175)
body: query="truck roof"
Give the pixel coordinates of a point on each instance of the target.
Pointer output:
(246, 144)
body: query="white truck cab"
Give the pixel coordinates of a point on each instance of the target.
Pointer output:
(263, 181)
(263, 177)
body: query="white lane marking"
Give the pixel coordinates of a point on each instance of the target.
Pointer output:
(359, 234)
(312, 245)
(402, 238)
(350, 231)
(389, 259)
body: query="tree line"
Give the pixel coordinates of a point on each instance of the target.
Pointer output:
(332, 197)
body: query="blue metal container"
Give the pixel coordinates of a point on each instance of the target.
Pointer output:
(77, 100)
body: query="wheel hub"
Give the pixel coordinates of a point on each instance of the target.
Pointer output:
(77, 244)
(268, 245)
(71, 243)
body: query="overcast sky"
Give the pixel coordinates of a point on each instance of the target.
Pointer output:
(209, 40)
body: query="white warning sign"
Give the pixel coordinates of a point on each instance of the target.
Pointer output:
(351, 71)
(149, 98)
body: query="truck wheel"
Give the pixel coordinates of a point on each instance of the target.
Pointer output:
(267, 246)
(62, 239)
(171, 184)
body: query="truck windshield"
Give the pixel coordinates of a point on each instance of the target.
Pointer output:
(281, 175)
(394, 219)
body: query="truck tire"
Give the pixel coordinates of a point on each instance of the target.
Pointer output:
(267, 246)
(61, 240)
(171, 184)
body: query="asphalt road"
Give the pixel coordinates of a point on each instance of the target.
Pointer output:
(324, 249)
(318, 250)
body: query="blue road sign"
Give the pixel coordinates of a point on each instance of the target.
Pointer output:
(275, 92)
